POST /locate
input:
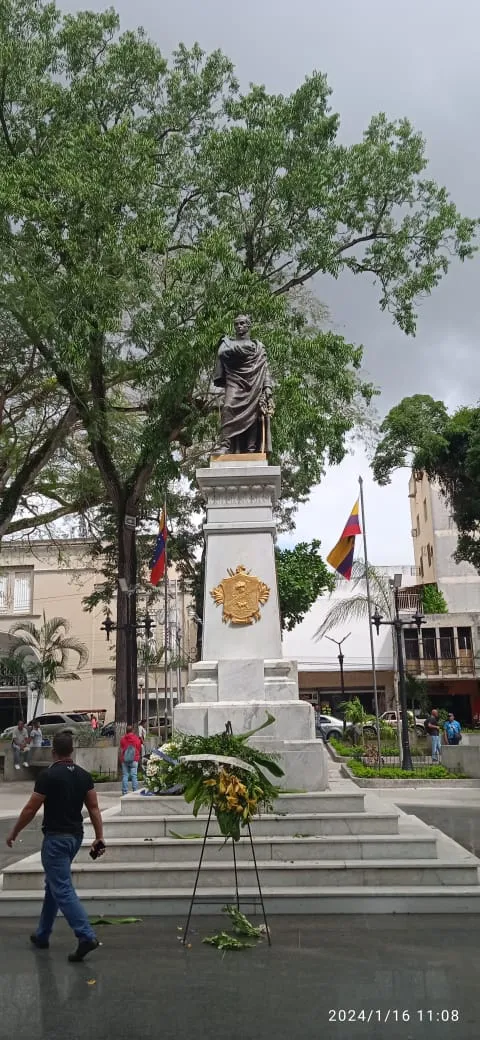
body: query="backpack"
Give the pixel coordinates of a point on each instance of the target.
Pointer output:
(129, 754)
(425, 727)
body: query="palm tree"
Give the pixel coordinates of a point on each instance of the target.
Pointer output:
(44, 653)
(355, 608)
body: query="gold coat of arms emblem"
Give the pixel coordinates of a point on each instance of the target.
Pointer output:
(241, 595)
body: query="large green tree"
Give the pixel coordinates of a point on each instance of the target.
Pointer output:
(419, 432)
(144, 202)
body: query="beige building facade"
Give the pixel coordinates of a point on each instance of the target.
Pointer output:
(435, 536)
(53, 578)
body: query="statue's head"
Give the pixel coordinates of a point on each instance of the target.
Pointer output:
(243, 324)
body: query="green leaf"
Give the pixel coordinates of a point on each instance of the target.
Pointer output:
(191, 792)
(241, 924)
(266, 763)
(224, 941)
(268, 722)
(184, 837)
(115, 920)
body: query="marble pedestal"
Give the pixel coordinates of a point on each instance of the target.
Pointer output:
(242, 674)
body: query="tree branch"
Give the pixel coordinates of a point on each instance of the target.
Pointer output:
(302, 278)
(3, 122)
(32, 466)
(42, 519)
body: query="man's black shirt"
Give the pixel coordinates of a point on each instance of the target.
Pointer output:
(65, 787)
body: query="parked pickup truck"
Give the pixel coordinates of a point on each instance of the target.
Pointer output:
(392, 719)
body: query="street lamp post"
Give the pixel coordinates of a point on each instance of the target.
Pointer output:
(398, 623)
(147, 624)
(341, 658)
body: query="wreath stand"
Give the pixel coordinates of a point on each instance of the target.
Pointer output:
(228, 729)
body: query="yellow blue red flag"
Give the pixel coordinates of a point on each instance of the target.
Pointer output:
(341, 556)
(159, 555)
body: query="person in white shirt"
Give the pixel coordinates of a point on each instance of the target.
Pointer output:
(35, 734)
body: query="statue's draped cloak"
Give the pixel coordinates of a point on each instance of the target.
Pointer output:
(242, 368)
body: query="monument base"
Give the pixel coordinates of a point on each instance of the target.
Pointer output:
(243, 693)
(242, 675)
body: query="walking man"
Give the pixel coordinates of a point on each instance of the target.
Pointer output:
(433, 729)
(20, 744)
(63, 790)
(130, 752)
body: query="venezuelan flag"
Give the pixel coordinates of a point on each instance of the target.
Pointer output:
(341, 556)
(159, 555)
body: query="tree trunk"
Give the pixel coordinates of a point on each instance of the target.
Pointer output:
(126, 707)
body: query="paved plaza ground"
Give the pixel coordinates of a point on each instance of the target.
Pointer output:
(143, 983)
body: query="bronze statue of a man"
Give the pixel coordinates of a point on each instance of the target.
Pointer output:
(242, 368)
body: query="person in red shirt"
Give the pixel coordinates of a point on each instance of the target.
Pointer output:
(130, 753)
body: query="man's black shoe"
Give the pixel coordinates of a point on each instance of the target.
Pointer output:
(84, 947)
(41, 944)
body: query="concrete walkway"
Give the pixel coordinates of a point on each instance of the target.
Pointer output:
(143, 983)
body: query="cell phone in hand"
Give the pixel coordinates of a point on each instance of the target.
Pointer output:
(98, 849)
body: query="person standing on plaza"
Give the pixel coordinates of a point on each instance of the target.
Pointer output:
(130, 753)
(20, 744)
(63, 790)
(94, 723)
(35, 734)
(433, 730)
(142, 732)
(452, 730)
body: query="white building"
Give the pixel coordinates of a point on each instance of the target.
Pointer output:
(318, 665)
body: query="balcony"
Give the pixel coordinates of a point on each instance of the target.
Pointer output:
(464, 664)
(409, 600)
(9, 686)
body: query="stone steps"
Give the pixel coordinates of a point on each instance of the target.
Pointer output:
(332, 852)
(272, 825)
(304, 802)
(155, 902)
(273, 874)
(284, 849)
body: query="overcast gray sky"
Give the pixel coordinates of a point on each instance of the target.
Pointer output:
(414, 59)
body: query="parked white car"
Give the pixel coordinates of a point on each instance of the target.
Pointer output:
(51, 723)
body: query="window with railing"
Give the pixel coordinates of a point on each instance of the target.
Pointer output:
(429, 644)
(412, 650)
(464, 638)
(447, 643)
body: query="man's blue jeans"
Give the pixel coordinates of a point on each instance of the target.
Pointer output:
(17, 752)
(436, 747)
(58, 851)
(129, 772)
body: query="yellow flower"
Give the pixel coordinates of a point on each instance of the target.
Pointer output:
(209, 783)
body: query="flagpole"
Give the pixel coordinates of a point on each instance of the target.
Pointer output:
(370, 624)
(165, 628)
